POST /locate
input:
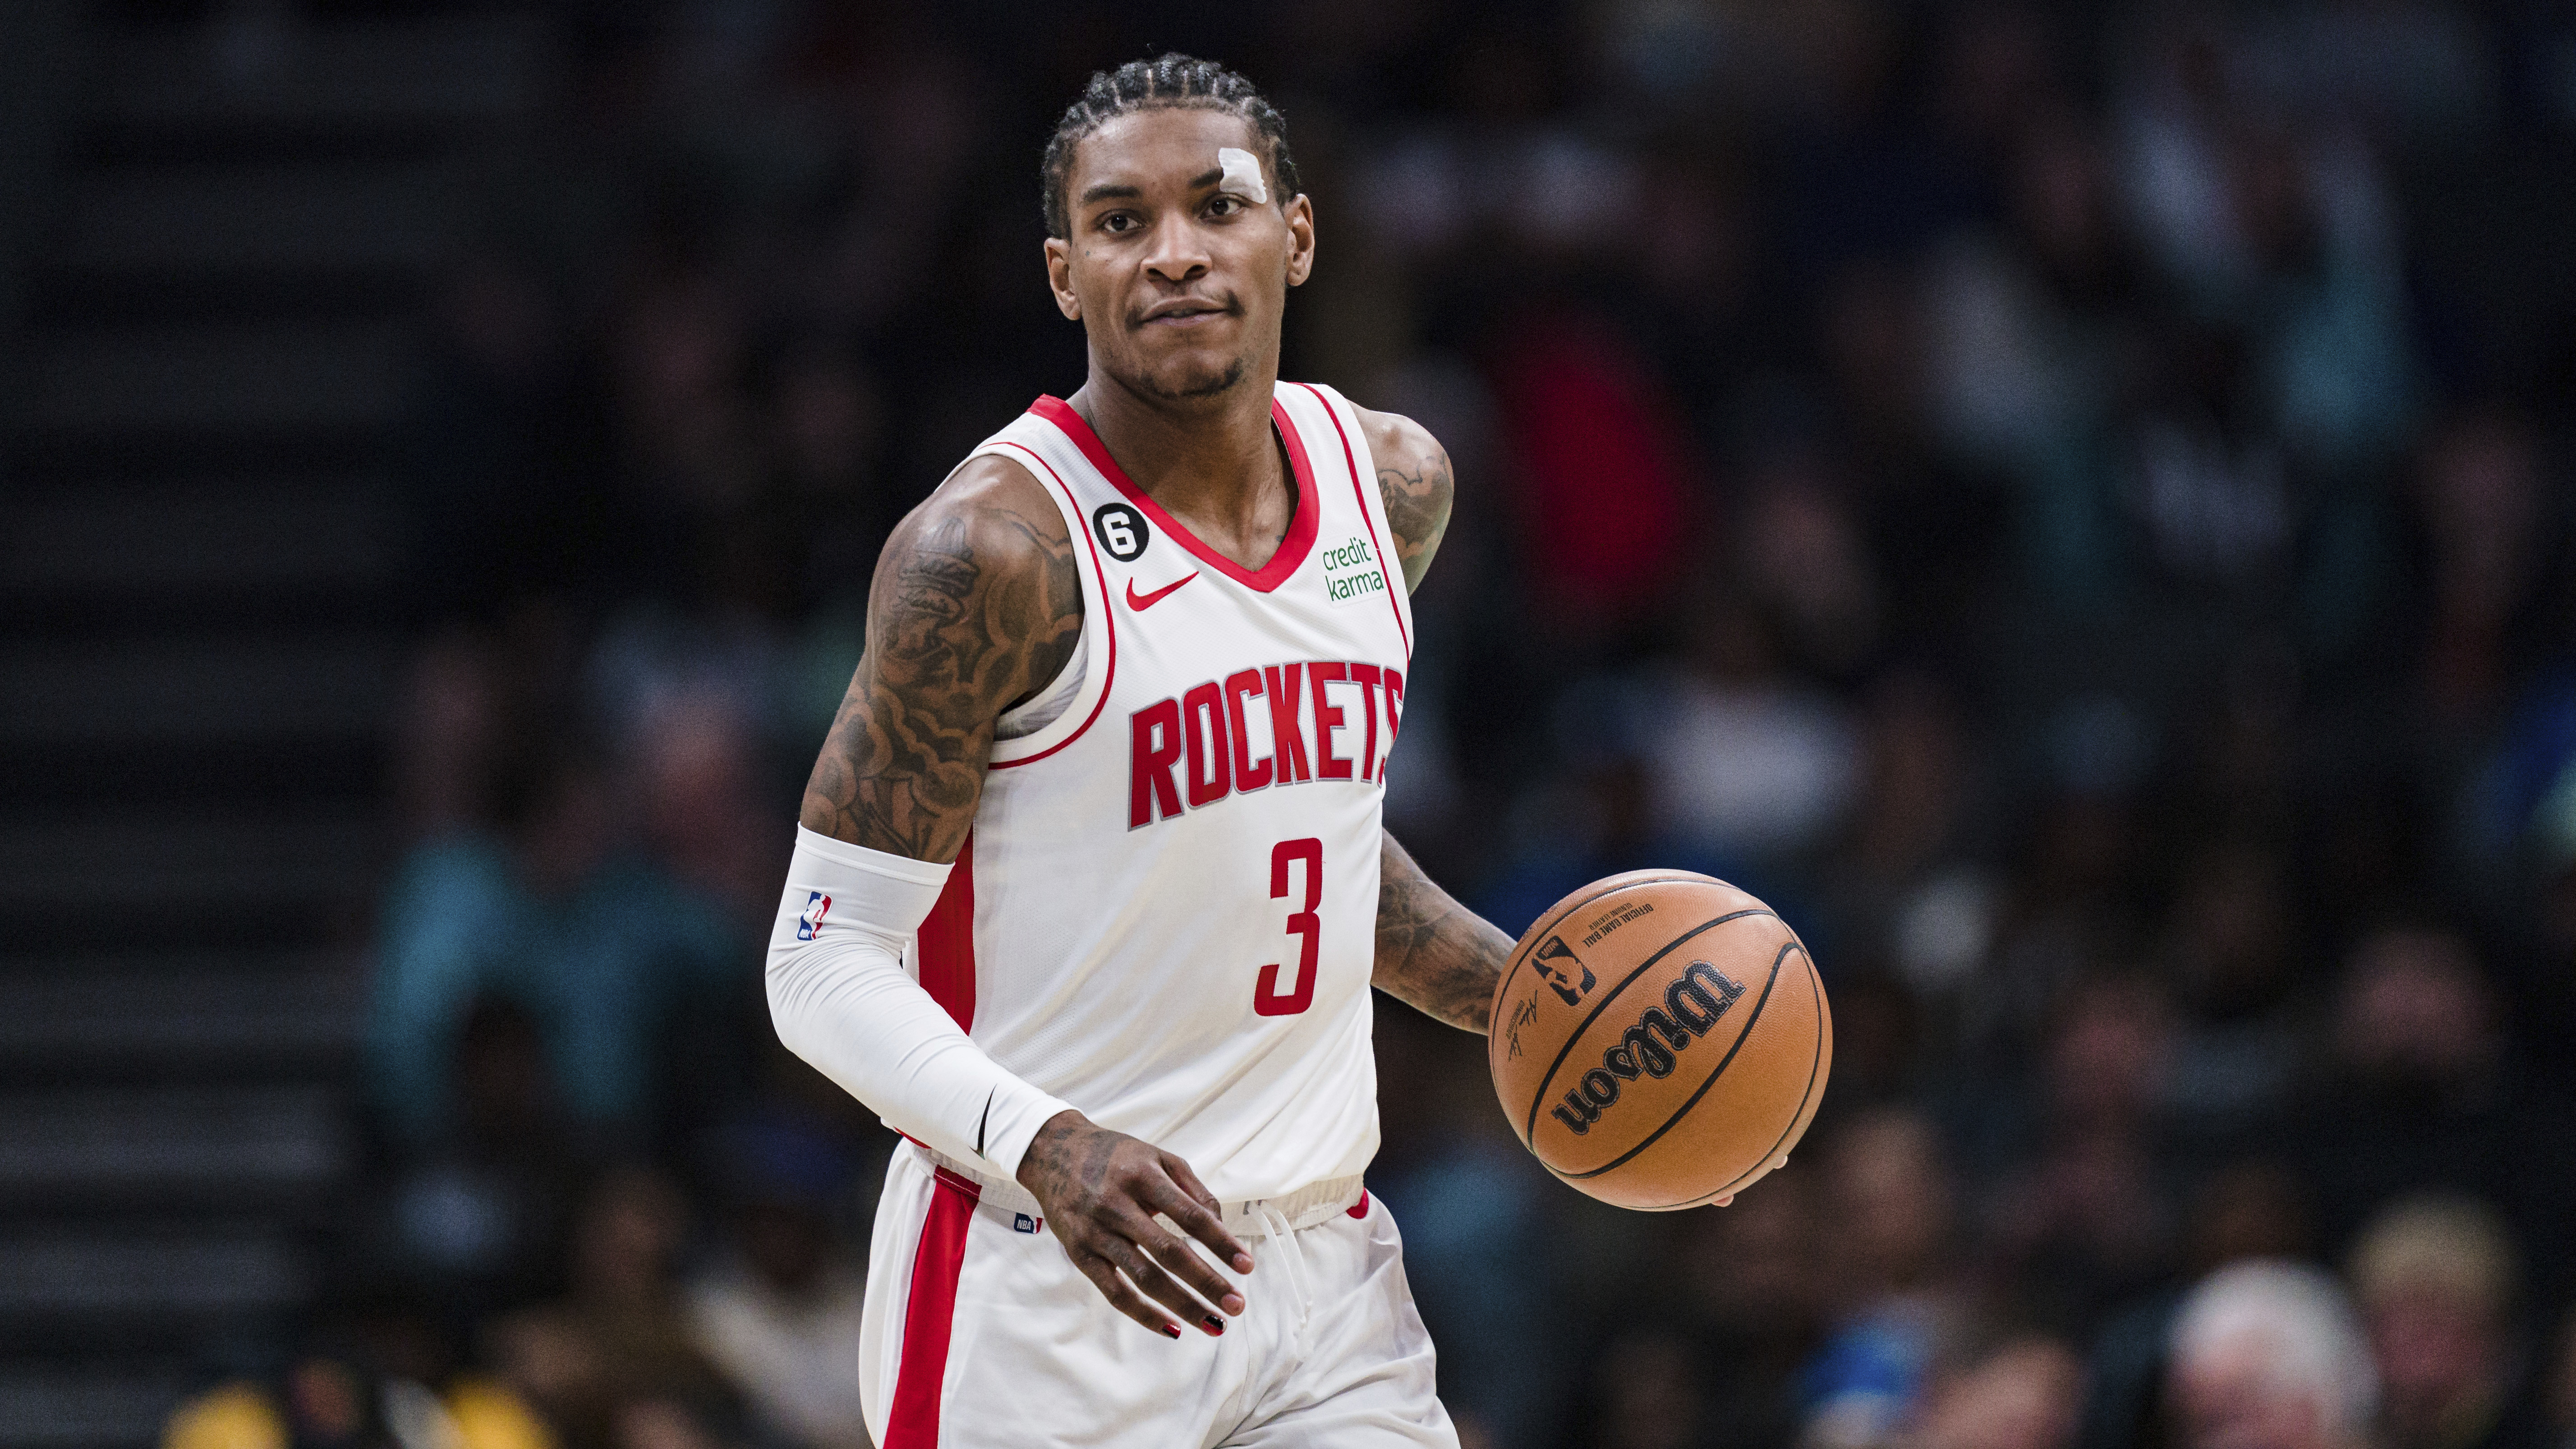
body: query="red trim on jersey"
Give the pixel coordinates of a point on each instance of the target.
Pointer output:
(1301, 528)
(913, 1421)
(1108, 617)
(1360, 1209)
(946, 941)
(1352, 459)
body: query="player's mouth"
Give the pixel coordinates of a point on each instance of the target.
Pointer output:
(1183, 312)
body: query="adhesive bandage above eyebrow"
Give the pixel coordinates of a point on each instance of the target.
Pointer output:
(1242, 172)
(841, 999)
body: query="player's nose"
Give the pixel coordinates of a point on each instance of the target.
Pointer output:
(1177, 251)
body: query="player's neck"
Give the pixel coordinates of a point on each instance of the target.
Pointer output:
(1212, 463)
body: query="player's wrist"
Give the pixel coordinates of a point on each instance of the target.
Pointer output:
(1035, 1161)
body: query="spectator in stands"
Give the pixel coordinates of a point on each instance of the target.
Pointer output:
(1904, 885)
(1753, 1282)
(2229, 946)
(661, 1423)
(2436, 1277)
(1648, 1390)
(1890, 1212)
(2021, 1393)
(2086, 1220)
(597, 1361)
(2266, 1355)
(2425, 1094)
(1606, 482)
(2493, 525)
(2249, 1210)
(1745, 762)
(475, 1219)
(779, 1309)
(340, 1398)
(555, 915)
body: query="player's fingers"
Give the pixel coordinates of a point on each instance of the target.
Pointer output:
(1163, 1288)
(1104, 1276)
(1158, 1247)
(1208, 1224)
(1727, 1201)
(1175, 1253)
(1201, 1222)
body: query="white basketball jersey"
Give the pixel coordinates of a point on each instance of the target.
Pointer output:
(1166, 914)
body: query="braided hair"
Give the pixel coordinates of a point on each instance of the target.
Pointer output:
(1168, 81)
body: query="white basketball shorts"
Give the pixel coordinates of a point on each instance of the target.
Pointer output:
(980, 1333)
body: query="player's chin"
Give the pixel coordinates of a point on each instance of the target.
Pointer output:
(1199, 373)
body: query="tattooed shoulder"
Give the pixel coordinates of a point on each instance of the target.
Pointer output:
(975, 606)
(1414, 479)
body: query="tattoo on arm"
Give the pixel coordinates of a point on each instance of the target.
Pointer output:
(1417, 491)
(976, 605)
(1431, 951)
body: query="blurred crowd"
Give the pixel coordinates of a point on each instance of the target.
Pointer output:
(2069, 502)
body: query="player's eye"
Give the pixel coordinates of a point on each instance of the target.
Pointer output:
(1223, 205)
(1119, 222)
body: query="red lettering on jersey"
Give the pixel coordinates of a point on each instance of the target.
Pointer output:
(1211, 772)
(1240, 685)
(1328, 718)
(1367, 677)
(1287, 724)
(1157, 738)
(1394, 715)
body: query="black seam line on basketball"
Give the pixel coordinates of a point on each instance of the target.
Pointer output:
(1816, 989)
(1612, 994)
(1547, 1082)
(1504, 986)
(1723, 1063)
(1813, 1062)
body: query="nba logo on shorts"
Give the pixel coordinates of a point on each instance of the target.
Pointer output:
(812, 921)
(1023, 1223)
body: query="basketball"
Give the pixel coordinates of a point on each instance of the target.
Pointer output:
(1660, 1039)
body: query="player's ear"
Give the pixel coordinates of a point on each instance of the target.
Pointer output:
(1301, 239)
(1059, 265)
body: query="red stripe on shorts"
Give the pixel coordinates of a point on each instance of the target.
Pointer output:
(913, 1422)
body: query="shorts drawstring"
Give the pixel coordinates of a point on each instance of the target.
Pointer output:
(1301, 1278)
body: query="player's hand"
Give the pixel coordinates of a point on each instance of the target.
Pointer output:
(1101, 1190)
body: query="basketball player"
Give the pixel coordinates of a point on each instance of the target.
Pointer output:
(1091, 887)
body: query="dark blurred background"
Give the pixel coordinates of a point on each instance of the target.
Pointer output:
(2069, 501)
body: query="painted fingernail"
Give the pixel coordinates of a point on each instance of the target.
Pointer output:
(1171, 1330)
(1232, 1303)
(1215, 1325)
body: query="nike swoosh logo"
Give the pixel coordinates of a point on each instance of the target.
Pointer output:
(1142, 602)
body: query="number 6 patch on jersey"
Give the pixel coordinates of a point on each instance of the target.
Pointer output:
(1121, 530)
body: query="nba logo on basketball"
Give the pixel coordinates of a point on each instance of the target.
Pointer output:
(1558, 977)
(812, 920)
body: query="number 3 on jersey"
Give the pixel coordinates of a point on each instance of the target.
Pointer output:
(1302, 924)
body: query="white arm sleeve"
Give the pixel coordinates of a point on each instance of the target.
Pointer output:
(841, 999)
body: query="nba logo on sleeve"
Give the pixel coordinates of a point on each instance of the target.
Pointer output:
(812, 920)
(1024, 1223)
